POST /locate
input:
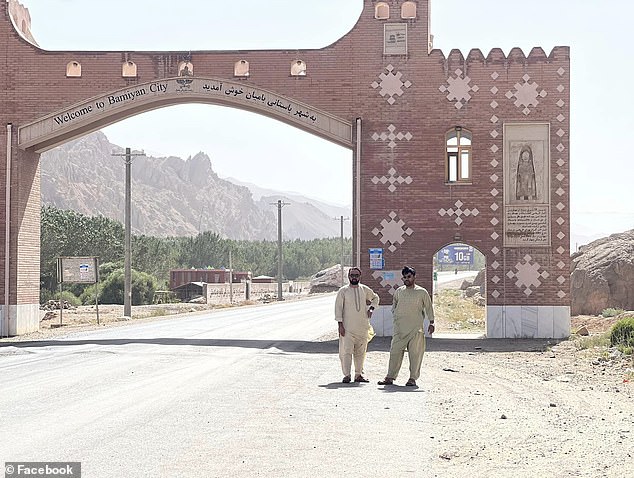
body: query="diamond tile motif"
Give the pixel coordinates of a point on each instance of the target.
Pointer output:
(494, 90)
(392, 231)
(493, 104)
(494, 119)
(494, 75)
(560, 250)
(561, 294)
(560, 192)
(495, 250)
(495, 279)
(392, 179)
(494, 192)
(459, 89)
(561, 71)
(560, 117)
(560, 162)
(561, 264)
(391, 84)
(561, 235)
(494, 207)
(494, 163)
(560, 177)
(526, 94)
(458, 212)
(494, 148)
(494, 177)
(391, 136)
(560, 220)
(494, 133)
(561, 280)
(560, 132)
(560, 88)
(495, 236)
(560, 206)
(560, 147)
(495, 265)
(528, 275)
(494, 221)
(560, 103)
(495, 294)
(393, 281)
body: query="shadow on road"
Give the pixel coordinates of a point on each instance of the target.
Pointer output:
(379, 344)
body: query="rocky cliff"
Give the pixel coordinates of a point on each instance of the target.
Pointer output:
(170, 196)
(602, 275)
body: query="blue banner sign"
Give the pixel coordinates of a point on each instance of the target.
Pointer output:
(457, 255)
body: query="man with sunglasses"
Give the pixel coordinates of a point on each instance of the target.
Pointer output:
(411, 305)
(353, 314)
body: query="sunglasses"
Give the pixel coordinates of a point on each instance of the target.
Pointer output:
(408, 277)
(354, 275)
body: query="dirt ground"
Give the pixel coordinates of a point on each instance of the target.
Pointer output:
(497, 407)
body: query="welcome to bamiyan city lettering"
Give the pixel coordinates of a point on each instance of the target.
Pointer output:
(161, 87)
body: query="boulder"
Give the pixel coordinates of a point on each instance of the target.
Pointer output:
(328, 280)
(602, 275)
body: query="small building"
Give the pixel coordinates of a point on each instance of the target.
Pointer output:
(178, 277)
(263, 279)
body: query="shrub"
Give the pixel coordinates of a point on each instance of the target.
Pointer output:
(67, 296)
(622, 335)
(611, 312)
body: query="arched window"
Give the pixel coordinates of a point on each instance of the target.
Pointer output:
(458, 155)
(128, 69)
(408, 10)
(241, 68)
(73, 69)
(298, 68)
(382, 11)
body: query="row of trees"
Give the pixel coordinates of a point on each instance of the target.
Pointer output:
(68, 233)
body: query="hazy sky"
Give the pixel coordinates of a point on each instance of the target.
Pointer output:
(281, 157)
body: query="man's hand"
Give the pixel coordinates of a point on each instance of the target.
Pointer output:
(342, 330)
(431, 328)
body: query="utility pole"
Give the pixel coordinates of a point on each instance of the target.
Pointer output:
(127, 285)
(230, 279)
(279, 204)
(343, 279)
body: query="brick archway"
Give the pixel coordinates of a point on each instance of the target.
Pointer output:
(381, 90)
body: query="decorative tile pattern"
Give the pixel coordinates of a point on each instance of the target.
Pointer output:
(527, 275)
(391, 135)
(458, 89)
(392, 231)
(392, 178)
(458, 212)
(526, 94)
(391, 84)
(389, 279)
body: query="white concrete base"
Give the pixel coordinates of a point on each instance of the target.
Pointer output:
(19, 319)
(502, 322)
(523, 321)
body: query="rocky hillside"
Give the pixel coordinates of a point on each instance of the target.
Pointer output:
(171, 196)
(602, 275)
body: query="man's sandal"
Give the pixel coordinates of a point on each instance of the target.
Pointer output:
(386, 381)
(346, 379)
(411, 383)
(361, 379)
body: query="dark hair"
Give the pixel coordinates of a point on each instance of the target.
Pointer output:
(408, 270)
(354, 268)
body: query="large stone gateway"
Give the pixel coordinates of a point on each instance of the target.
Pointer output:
(471, 149)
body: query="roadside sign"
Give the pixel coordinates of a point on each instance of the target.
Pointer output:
(376, 258)
(456, 254)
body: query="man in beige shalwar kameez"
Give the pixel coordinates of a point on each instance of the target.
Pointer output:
(353, 314)
(411, 305)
